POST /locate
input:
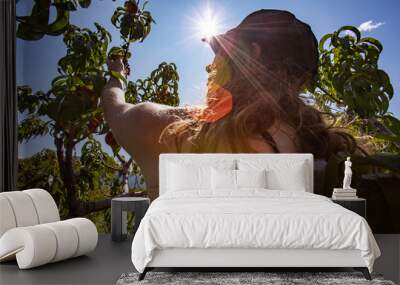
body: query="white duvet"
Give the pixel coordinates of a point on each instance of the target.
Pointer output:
(250, 219)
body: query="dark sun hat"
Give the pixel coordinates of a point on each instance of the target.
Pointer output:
(282, 37)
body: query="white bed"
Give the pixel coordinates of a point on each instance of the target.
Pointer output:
(214, 211)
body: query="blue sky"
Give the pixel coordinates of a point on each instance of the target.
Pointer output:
(174, 39)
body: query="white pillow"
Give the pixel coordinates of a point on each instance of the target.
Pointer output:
(251, 178)
(188, 177)
(223, 179)
(281, 174)
(292, 178)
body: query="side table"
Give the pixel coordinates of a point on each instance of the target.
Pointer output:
(119, 208)
(357, 205)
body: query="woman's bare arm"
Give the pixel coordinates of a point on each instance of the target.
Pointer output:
(136, 128)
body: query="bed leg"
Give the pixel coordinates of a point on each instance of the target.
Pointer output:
(143, 274)
(364, 271)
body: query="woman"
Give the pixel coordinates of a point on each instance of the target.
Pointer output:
(253, 100)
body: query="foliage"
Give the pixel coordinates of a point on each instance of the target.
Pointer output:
(70, 110)
(98, 170)
(133, 24)
(161, 87)
(350, 74)
(352, 87)
(34, 26)
(42, 171)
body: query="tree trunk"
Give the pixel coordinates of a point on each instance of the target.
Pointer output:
(64, 158)
(76, 206)
(70, 182)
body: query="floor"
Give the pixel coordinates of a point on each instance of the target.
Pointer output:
(103, 266)
(110, 260)
(389, 262)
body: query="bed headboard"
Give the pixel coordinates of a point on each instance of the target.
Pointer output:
(215, 158)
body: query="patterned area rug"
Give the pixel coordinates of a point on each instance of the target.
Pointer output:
(243, 278)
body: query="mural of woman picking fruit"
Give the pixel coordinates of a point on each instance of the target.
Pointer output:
(272, 87)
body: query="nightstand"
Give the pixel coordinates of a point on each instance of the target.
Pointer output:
(119, 208)
(357, 205)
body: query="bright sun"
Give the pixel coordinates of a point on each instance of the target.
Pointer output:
(208, 24)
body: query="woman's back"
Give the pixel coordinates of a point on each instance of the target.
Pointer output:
(158, 117)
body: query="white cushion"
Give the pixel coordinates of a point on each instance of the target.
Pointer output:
(223, 179)
(190, 177)
(244, 161)
(251, 178)
(187, 174)
(231, 180)
(288, 175)
(291, 178)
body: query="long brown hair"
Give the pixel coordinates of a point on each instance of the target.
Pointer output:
(266, 92)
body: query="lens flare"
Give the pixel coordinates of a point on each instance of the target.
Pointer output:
(208, 24)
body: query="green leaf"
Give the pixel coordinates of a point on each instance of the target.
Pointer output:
(84, 3)
(39, 14)
(322, 42)
(386, 83)
(25, 32)
(116, 52)
(60, 23)
(65, 5)
(118, 76)
(372, 41)
(352, 29)
(392, 123)
(114, 19)
(31, 127)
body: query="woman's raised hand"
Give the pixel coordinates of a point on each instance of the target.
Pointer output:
(117, 65)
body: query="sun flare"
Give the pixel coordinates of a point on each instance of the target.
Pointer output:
(208, 24)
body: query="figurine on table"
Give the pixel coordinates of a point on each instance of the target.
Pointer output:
(347, 174)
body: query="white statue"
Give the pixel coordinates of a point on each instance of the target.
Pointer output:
(347, 174)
